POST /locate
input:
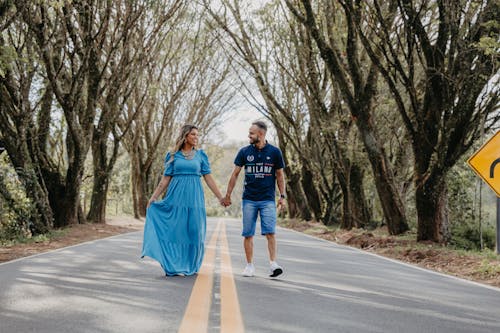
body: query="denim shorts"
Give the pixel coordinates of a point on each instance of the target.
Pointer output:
(267, 212)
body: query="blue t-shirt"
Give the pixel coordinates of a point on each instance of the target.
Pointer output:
(260, 171)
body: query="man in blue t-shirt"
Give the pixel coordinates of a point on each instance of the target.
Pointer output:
(263, 164)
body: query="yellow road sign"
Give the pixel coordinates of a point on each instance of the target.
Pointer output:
(486, 162)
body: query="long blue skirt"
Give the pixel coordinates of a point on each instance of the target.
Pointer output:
(175, 229)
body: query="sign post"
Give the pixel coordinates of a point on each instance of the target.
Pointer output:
(486, 163)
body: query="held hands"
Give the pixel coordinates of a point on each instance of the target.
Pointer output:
(225, 201)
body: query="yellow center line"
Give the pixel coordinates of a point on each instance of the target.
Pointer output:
(196, 316)
(231, 320)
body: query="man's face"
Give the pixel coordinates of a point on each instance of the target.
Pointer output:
(254, 134)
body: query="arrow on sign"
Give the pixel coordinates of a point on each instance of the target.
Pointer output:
(492, 167)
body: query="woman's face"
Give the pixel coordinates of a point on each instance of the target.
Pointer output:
(192, 137)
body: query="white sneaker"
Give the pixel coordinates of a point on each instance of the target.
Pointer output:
(275, 269)
(249, 270)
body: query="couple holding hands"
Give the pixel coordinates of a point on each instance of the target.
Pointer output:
(175, 229)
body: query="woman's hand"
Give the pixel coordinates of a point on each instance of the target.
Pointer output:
(225, 201)
(162, 186)
(153, 199)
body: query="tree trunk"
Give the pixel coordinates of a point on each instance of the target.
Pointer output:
(97, 211)
(69, 206)
(139, 183)
(56, 192)
(355, 212)
(297, 203)
(296, 200)
(43, 219)
(360, 213)
(135, 182)
(330, 216)
(102, 171)
(432, 210)
(311, 193)
(390, 198)
(344, 180)
(64, 202)
(135, 206)
(17, 148)
(142, 196)
(61, 190)
(347, 216)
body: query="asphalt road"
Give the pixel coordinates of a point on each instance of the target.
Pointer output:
(103, 286)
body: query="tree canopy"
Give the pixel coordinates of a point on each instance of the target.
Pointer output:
(376, 104)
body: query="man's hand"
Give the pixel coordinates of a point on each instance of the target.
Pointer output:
(225, 201)
(281, 204)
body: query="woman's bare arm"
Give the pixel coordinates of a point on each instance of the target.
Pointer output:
(213, 186)
(162, 186)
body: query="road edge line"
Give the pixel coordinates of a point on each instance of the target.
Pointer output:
(66, 247)
(478, 284)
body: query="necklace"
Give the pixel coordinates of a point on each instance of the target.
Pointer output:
(189, 155)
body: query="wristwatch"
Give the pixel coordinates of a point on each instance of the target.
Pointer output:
(282, 196)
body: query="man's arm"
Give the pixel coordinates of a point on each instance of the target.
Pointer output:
(280, 179)
(231, 184)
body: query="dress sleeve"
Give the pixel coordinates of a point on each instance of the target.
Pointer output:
(205, 164)
(169, 165)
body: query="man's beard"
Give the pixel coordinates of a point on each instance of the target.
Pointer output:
(254, 141)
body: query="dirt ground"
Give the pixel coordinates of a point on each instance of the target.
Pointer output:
(483, 268)
(70, 236)
(480, 267)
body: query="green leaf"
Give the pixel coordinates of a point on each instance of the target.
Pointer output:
(488, 45)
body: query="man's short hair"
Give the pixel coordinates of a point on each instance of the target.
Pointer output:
(260, 124)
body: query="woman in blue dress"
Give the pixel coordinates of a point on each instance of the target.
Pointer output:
(174, 233)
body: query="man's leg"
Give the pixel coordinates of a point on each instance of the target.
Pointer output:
(248, 245)
(249, 210)
(268, 227)
(271, 246)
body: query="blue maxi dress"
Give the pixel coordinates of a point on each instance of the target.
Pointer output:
(175, 228)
